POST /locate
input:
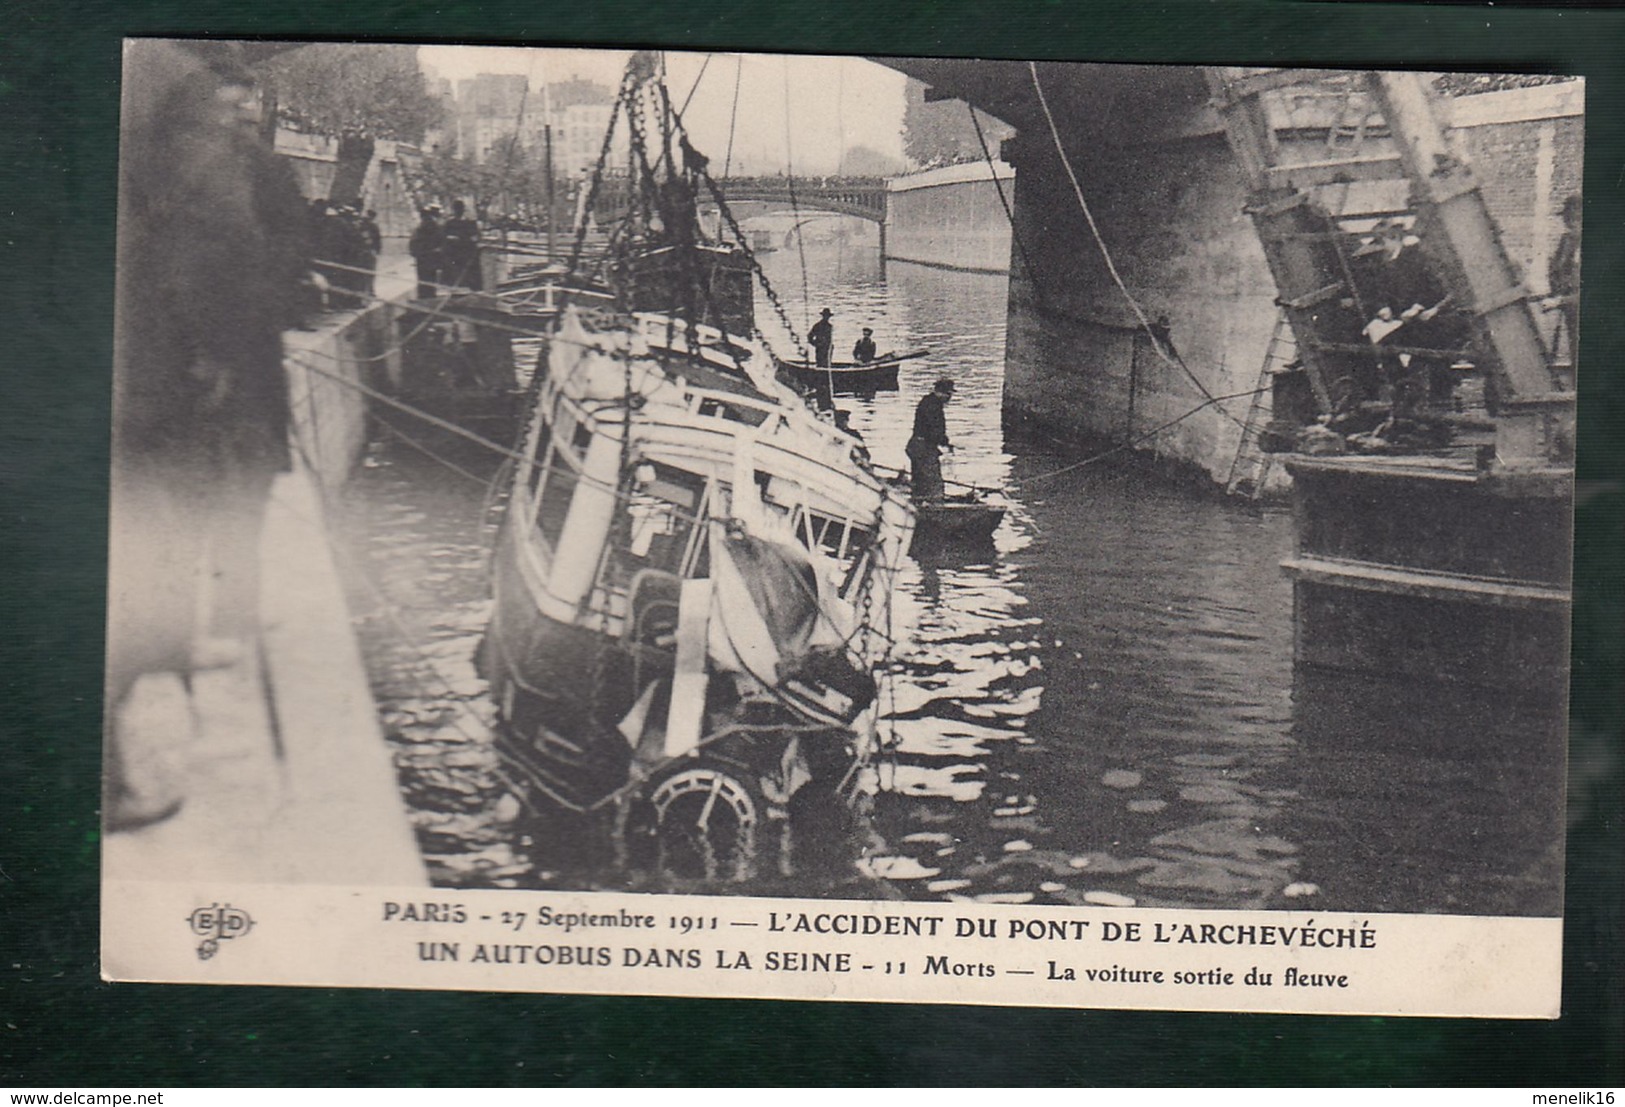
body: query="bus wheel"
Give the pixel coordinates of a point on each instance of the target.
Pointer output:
(706, 820)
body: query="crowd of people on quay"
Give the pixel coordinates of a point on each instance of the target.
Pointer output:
(446, 251)
(345, 242)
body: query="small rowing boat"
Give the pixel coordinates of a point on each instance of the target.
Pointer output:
(961, 520)
(878, 375)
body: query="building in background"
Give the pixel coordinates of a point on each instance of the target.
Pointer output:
(494, 117)
(579, 112)
(490, 111)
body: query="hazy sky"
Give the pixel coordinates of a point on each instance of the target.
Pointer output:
(833, 103)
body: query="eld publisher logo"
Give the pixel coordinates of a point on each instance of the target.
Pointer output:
(218, 923)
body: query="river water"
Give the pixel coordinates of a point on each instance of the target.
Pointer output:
(1102, 709)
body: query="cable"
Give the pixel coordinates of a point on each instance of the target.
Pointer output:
(733, 114)
(426, 452)
(882, 489)
(1009, 214)
(795, 208)
(1106, 255)
(695, 87)
(1131, 443)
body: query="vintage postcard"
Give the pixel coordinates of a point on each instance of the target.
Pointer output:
(892, 529)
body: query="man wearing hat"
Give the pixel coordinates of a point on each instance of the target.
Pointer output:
(426, 245)
(863, 350)
(460, 250)
(822, 337)
(929, 437)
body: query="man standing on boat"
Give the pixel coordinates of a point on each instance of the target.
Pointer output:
(929, 438)
(863, 351)
(822, 337)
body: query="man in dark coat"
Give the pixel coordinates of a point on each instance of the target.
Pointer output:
(371, 244)
(373, 233)
(1395, 271)
(863, 350)
(822, 337)
(929, 438)
(426, 246)
(461, 265)
(329, 247)
(211, 252)
(1563, 280)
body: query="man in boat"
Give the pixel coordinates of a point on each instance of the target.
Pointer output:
(863, 351)
(930, 437)
(426, 244)
(822, 337)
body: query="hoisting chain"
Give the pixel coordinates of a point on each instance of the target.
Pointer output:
(761, 277)
(627, 83)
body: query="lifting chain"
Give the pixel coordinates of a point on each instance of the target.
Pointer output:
(761, 277)
(628, 82)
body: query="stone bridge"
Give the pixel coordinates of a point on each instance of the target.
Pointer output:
(864, 197)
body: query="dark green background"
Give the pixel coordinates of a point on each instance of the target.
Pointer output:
(60, 1026)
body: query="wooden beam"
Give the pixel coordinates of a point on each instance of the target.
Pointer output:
(1257, 83)
(1344, 170)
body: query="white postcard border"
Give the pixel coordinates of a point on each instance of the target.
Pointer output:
(804, 949)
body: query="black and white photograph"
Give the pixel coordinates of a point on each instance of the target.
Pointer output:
(957, 530)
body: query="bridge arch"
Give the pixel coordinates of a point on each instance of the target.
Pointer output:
(865, 199)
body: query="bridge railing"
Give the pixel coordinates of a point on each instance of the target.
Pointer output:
(861, 196)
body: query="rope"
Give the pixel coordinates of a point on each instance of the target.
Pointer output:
(1131, 443)
(342, 553)
(733, 115)
(1009, 214)
(695, 87)
(440, 311)
(761, 277)
(400, 344)
(433, 420)
(425, 451)
(795, 208)
(1106, 255)
(512, 455)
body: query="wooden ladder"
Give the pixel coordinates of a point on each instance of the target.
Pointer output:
(1251, 466)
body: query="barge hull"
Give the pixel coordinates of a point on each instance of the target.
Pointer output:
(1432, 569)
